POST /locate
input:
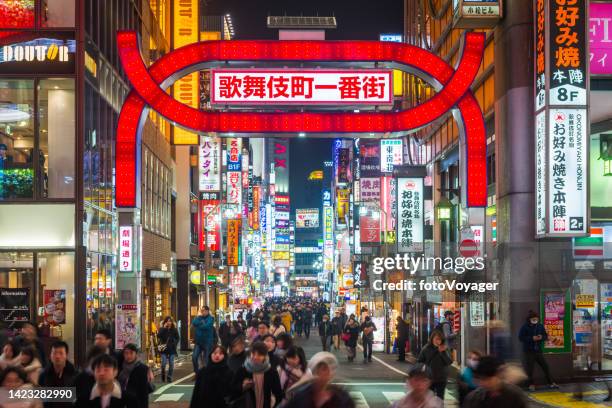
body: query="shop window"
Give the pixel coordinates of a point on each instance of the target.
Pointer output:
(55, 162)
(17, 14)
(57, 13)
(16, 139)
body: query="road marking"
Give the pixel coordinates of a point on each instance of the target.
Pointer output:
(385, 364)
(163, 388)
(393, 396)
(169, 397)
(359, 399)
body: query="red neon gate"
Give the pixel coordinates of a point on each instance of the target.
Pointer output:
(149, 84)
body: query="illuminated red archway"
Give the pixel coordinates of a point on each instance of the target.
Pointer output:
(149, 84)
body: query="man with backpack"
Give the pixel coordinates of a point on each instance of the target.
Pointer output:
(368, 328)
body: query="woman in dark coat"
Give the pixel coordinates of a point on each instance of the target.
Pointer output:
(237, 355)
(435, 355)
(352, 329)
(168, 338)
(257, 380)
(212, 384)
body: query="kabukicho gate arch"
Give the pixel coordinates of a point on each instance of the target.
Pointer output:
(452, 86)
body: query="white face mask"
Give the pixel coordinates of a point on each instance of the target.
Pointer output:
(472, 363)
(534, 321)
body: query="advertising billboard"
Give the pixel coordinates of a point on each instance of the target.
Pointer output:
(209, 164)
(307, 218)
(410, 214)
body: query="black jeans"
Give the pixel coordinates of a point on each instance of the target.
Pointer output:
(325, 341)
(401, 349)
(367, 348)
(532, 357)
(438, 388)
(307, 329)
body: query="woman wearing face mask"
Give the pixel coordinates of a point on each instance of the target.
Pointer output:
(466, 380)
(257, 384)
(292, 368)
(283, 342)
(533, 335)
(270, 343)
(352, 330)
(211, 387)
(435, 355)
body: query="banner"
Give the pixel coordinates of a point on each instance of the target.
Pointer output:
(209, 164)
(391, 154)
(126, 325)
(369, 230)
(234, 154)
(307, 218)
(600, 30)
(210, 212)
(369, 189)
(233, 242)
(410, 222)
(369, 158)
(256, 207)
(555, 315)
(234, 187)
(54, 301)
(343, 165)
(126, 248)
(342, 204)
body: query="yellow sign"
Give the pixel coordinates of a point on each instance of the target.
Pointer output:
(585, 301)
(316, 175)
(233, 239)
(342, 204)
(187, 89)
(280, 255)
(210, 35)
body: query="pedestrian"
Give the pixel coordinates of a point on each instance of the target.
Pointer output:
(287, 320)
(29, 362)
(325, 332)
(533, 335)
(492, 391)
(435, 356)
(277, 326)
(224, 331)
(283, 342)
(450, 337)
(84, 381)
(257, 384)
(402, 337)
(13, 378)
(204, 325)
(10, 351)
(317, 390)
(212, 385)
(242, 324)
(307, 321)
(466, 383)
(59, 373)
(106, 391)
(270, 343)
(28, 336)
(337, 329)
(351, 334)
(368, 328)
(298, 317)
(104, 339)
(237, 354)
(251, 331)
(249, 315)
(133, 376)
(292, 368)
(168, 338)
(419, 395)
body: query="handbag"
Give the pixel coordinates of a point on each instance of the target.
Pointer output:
(161, 347)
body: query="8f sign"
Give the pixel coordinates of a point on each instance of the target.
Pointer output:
(452, 86)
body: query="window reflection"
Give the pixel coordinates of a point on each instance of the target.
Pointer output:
(57, 13)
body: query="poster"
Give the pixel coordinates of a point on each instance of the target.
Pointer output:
(379, 334)
(583, 330)
(14, 305)
(126, 325)
(606, 324)
(55, 306)
(477, 311)
(233, 240)
(556, 321)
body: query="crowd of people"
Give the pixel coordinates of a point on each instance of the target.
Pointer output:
(255, 361)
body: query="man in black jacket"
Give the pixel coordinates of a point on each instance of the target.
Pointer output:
(60, 373)
(402, 337)
(105, 387)
(134, 376)
(325, 332)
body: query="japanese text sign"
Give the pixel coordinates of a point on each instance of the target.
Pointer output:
(209, 164)
(234, 147)
(304, 87)
(600, 38)
(233, 241)
(234, 187)
(410, 215)
(126, 254)
(391, 154)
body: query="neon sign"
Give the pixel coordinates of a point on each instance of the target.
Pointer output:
(453, 88)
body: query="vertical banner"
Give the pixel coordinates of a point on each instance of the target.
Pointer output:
(209, 164)
(54, 301)
(126, 325)
(256, 207)
(410, 220)
(342, 204)
(210, 228)
(234, 154)
(369, 230)
(388, 196)
(187, 89)
(328, 241)
(234, 187)
(343, 165)
(126, 249)
(391, 154)
(556, 317)
(369, 158)
(561, 118)
(233, 242)
(369, 189)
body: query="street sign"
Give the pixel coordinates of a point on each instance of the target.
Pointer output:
(468, 248)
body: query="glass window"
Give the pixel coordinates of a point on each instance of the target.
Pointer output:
(57, 13)
(57, 138)
(16, 139)
(16, 13)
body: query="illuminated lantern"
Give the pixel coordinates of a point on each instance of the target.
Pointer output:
(444, 209)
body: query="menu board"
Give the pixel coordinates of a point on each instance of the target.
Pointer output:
(55, 306)
(14, 305)
(556, 320)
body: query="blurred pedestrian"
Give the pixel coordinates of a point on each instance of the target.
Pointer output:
(257, 384)
(277, 326)
(402, 337)
(168, 338)
(14, 378)
(351, 334)
(270, 343)
(106, 392)
(28, 336)
(368, 328)
(292, 368)
(262, 330)
(450, 337)
(337, 329)
(492, 391)
(104, 339)
(420, 394)
(204, 325)
(134, 376)
(84, 381)
(59, 373)
(466, 383)
(435, 355)
(325, 332)
(298, 317)
(29, 362)
(533, 335)
(10, 351)
(287, 320)
(212, 385)
(237, 355)
(224, 331)
(307, 321)
(317, 390)
(283, 342)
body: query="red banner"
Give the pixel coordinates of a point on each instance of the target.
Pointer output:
(369, 230)
(209, 221)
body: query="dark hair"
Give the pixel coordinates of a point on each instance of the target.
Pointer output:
(237, 339)
(487, 367)
(265, 337)
(254, 322)
(206, 308)
(438, 333)
(531, 315)
(449, 312)
(104, 360)
(295, 351)
(419, 370)
(131, 346)
(264, 323)
(277, 321)
(218, 347)
(166, 320)
(13, 369)
(14, 345)
(29, 351)
(286, 339)
(259, 348)
(94, 352)
(105, 332)
(476, 353)
(60, 344)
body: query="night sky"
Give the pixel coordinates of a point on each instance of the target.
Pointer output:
(356, 20)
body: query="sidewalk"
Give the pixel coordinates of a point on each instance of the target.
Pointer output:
(593, 395)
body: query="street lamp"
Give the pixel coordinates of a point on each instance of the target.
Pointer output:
(444, 209)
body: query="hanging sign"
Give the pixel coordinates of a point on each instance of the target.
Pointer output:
(126, 255)
(233, 242)
(391, 154)
(600, 37)
(410, 218)
(209, 164)
(234, 151)
(369, 189)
